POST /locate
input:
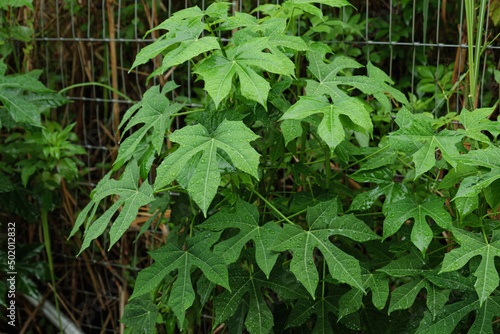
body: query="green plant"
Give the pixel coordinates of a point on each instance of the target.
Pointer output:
(284, 209)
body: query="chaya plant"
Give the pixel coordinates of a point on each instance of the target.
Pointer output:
(286, 215)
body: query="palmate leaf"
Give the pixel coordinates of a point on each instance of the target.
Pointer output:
(450, 315)
(331, 128)
(245, 218)
(140, 315)
(173, 257)
(306, 5)
(386, 185)
(414, 130)
(488, 158)
(352, 300)
(246, 287)
(476, 121)
(474, 244)
(184, 29)
(24, 97)
(218, 71)
(421, 235)
(154, 111)
(233, 137)
(324, 222)
(329, 81)
(129, 195)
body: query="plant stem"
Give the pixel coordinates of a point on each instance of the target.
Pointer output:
(96, 84)
(46, 240)
(270, 205)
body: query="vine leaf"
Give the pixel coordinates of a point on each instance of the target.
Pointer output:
(25, 97)
(259, 318)
(421, 235)
(172, 257)
(324, 222)
(218, 71)
(329, 81)
(473, 244)
(476, 121)
(233, 137)
(352, 300)
(383, 177)
(450, 315)
(412, 131)
(331, 128)
(489, 158)
(140, 315)
(245, 218)
(184, 29)
(129, 195)
(154, 111)
(306, 5)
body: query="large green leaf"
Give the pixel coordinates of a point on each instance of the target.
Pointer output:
(476, 121)
(386, 185)
(173, 257)
(184, 29)
(245, 218)
(329, 80)
(488, 158)
(331, 128)
(140, 315)
(129, 195)
(474, 244)
(306, 5)
(352, 300)
(154, 112)
(421, 235)
(24, 97)
(259, 318)
(232, 137)
(413, 130)
(324, 222)
(218, 71)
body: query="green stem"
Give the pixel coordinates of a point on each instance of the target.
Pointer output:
(291, 216)
(328, 169)
(95, 84)
(410, 166)
(46, 240)
(218, 39)
(270, 205)
(187, 112)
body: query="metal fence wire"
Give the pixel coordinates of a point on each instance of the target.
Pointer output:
(82, 41)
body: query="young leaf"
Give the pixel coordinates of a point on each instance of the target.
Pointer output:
(154, 111)
(218, 71)
(140, 315)
(130, 196)
(323, 222)
(421, 235)
(331, 127)
(473, 244)
(172, 257)
(259, 318)
(233, 137)
(404, 296)
(245, 218)
(386, 185)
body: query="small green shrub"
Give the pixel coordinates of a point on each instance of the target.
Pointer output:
(287, 213)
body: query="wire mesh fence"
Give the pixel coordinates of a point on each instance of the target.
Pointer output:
(420, 44)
